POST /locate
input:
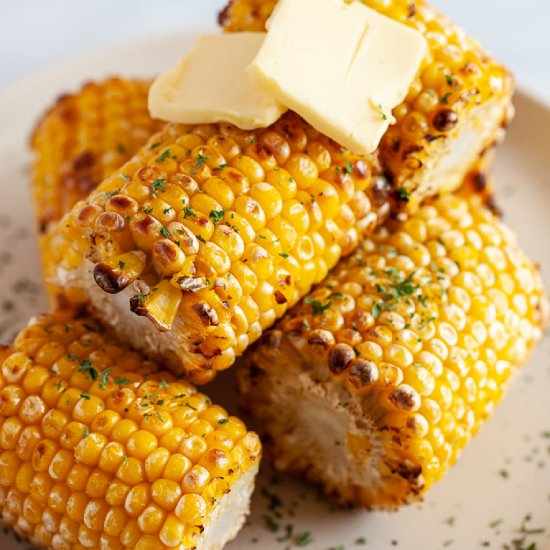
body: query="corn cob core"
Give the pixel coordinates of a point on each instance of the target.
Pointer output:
(454, 108)
(81, 140)
(212, 233)
(388, 368)
(102, 449)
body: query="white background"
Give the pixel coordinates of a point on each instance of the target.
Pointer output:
(36, 33)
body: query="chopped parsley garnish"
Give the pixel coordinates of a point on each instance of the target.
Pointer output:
(201, 239)
(318, 307)
(271, 524)
(348, 169)
(158, 185)
(188, 212)
(220, 167)
(121, 264)
(86, 432)
(164, 155)
(85, 395)
(85, 366)
(283, 254)
(303, 539)
(217, 215)
(167, 210)
(122, 380)
(140, 297)
(109, 194)
(201, 160)
(223, 420)
(59, 385)
(148, 210)
(164, 232)
(445, 99)
(383, 115)
(402, 194)
(361, 540)
(449, 79)
(377, 308)
(163, 384)
(104, 378)
(530, 530)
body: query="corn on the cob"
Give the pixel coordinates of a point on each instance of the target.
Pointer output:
(102, 449)
(81, 140)
(455, 108)
(212, 233)
(375, 382)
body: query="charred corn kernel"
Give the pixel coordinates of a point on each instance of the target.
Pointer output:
(78, 142)
(174, 236)
(418, 353)
(459, 89)
(76, 473)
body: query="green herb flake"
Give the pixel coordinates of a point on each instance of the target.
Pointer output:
(283, 255)
(402, 194)
(122, 380)
(165, 232)
(110, 194)
(164, 155)
(445, 99)
(85, 395)
(318, 307)
(200, 160)
(449, 79)
(271, 524)
(148, 210)
(220, 167)
(361, 541)
(348, 169)
(87, 367)
(86, 432)
(303, 539)
(223, 420)
(188, 212)
(158, 185)
(141, 297)
(104, 378)
(525, 530)
(217, 215)
(121, 264)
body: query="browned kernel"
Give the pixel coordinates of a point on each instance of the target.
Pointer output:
(340, 358)
(445, 120)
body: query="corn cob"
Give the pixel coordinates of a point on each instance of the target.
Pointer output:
(101, 449)
(455, 108)
(81, 140)
(211, 233)
(376, 381)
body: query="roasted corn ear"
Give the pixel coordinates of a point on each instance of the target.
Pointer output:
(210, 233)
(81, 140)
(376, 381)
(455, 109)
(100, 448)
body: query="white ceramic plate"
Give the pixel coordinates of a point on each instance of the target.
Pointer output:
(503, 476)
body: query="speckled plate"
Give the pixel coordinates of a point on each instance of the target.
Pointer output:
(500, 490)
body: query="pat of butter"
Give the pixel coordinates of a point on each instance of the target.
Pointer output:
(211, 85)
(339, 64)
